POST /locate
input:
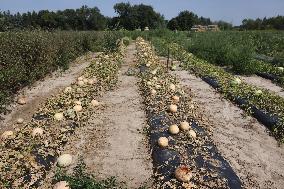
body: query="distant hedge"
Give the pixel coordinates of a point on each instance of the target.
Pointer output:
(28, 56)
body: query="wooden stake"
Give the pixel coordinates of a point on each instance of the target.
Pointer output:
(168, 60)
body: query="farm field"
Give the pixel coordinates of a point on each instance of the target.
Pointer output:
(127, 95)
(120, 117)
(246, 95)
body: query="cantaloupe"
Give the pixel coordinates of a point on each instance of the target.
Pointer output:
(183, 174)
(173, 108)
(172, 87)
(78, 108)
(153, 92)
(192, 134)
(236, 81)
(22, 101)
(20, 121)
(80, 78)
(184, 126)
(81, 83)
(37, 132)
(163, 142)
(65, 160)
(258, 92)
(173, 129)
(280, 69)
(7, 134)
(68, 89)
(175, 99)
(95, 103)
(58, 116)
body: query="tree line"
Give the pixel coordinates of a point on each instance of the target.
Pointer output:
(84, 18)
(276, 23)
(129, 17)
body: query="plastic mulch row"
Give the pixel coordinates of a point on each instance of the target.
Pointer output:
(45, 161)
(165, 160)
(276, 61)
(268, 76)
(211, 81)
(270, 121)
(264, 58)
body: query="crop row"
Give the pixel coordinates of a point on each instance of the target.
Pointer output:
(269, 43)
(240, 52)
(266, 106)
(182, 151)
(266, 43)
(27, 153)
(28, 56)
(235, 53)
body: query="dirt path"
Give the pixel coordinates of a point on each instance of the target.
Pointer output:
(113, 143)
(40, 91)
(244, 142)
(263, 83)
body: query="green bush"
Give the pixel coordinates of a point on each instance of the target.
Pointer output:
(28, 56)
(225, 49)
(126, 41)
(110, 40)
(235, 50)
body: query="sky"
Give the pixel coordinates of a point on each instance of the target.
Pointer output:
(233, 11)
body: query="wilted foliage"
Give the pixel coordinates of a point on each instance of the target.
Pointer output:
(28, 56)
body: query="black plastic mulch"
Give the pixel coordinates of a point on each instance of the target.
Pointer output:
(267, 119)
(165, 160)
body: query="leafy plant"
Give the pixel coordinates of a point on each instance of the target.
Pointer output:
(28, 56)
(23, 145)
(81, 179)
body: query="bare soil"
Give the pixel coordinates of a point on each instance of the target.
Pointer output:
(40, 91)
(113, 142)
(245, 143)
(263, 83)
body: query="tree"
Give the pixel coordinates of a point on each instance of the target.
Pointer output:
(147, 17)
(204, 21)
(173, 24)
(265, 23)
(2, 22)
(137, 16)
(84, 18)
(125, 19)
(185, 20)
(224, 25)
(96, 21)
(69, 19)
